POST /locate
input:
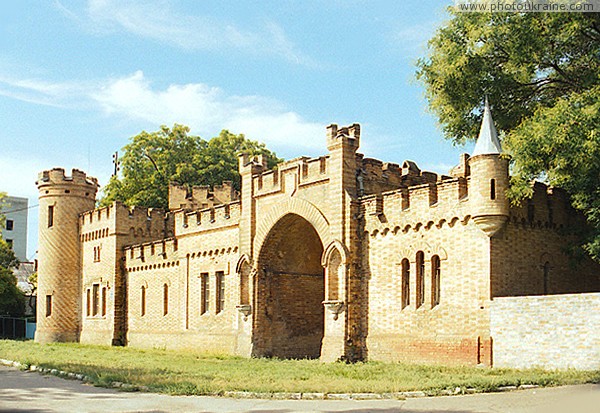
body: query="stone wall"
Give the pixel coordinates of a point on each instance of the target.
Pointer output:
(555, 332)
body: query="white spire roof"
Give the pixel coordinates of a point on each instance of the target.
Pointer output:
(487, 142)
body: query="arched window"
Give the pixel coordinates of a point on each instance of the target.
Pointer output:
(334, 272)
(435, 280)
(245, 283)
(420, 278)
(546, 268)
(143, 301)
(405, 283)
(165, 299)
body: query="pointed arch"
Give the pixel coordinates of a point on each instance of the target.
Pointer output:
(243, 258)
(333, 245)
(296, 206)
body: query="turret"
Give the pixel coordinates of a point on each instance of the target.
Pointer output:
(61, 199)
(489, 178)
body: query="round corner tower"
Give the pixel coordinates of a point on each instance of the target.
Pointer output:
(489, 178)
(61, 199)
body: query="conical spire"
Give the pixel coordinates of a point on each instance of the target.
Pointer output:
(487, 142)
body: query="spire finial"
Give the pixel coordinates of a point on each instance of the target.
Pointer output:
(487, 142)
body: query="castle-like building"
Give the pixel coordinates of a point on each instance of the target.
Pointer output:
(336, 257)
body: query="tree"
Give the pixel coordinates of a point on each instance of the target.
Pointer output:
(12, 300)
(2, 206)
(541, 72)
(152, 160)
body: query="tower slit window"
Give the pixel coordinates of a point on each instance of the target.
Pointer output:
(50, 216)
(48, 305)
(492, 189)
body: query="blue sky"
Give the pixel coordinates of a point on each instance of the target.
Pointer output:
(78, 79)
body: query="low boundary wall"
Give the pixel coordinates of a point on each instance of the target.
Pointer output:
(552, 332)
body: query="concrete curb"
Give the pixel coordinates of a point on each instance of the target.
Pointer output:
(278, 396)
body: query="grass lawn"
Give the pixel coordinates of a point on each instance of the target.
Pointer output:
(189, 372)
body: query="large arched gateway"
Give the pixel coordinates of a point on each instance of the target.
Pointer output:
(290, 289)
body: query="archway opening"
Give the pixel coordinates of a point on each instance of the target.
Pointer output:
(289, 292)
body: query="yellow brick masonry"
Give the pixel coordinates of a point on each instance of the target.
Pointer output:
(308, 257)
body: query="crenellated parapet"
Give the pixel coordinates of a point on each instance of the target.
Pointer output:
(417, 204)
(152, 255)
(375, 176)
(55, 182)
(132, 224)
(301, 171)
(208, 219)
(548, 208)
(201, 196)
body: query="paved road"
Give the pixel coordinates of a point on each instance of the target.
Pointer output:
(31, 392)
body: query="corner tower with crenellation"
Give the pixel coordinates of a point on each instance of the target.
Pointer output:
(61, 199)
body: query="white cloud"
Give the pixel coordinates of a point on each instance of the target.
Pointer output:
(208, 109)
(205, 109)
(42, 92)
(158, 21)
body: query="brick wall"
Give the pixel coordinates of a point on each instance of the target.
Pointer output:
(455, 331)
(559, 331)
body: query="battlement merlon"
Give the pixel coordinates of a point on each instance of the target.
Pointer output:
(56, 182)
(249, 164)
(345, 136)
(200, 196)
(120, 218)
(57, 176)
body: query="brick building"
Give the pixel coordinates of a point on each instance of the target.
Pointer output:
(339, 256)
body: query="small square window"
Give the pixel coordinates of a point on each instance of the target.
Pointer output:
(10, 224)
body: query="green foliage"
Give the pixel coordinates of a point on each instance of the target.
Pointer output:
(541, 72)
(12, 300)
(152, 160)
(2, 206)
(195, 373)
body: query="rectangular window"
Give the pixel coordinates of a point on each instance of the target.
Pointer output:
(9, 242)
(95, 298)
(204, 293)
(103, 301)
(220, 291)
(10, 224)
(88, 303)
(97, 254)
(48, 305)
(50, 216)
